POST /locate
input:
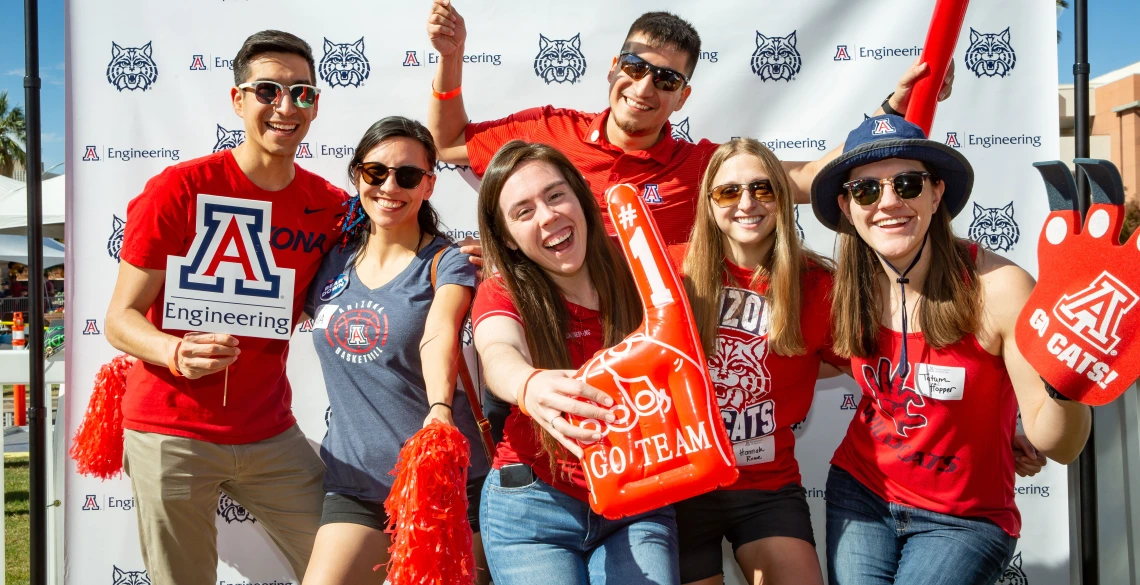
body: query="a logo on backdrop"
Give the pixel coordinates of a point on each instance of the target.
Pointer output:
(231, 511)
(467, 336)
(90, 502)
(198, 63)
(90, 153)
(651, 194)
(121, 577)
(1013, 575)
(359, 332)
(848, 402)
(115, 242)
(91, 328)
(560, 60)
(883, 126)
(227, 139)
(410, 59)
(952, 140)
(344, 64)
(328, 416)
(303, 151)
(681, 131)
(799, 228)
(441, 166)
(841, 53)
(229, 282)
(1095, 312)
(131, 68)
(895, 398)
(990, 54)
(994, 227)
(776, 57)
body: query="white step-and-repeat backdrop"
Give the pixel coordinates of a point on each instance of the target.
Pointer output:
(848, 55)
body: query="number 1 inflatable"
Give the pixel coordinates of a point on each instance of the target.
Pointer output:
(941, 38)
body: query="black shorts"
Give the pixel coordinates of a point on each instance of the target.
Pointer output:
(741, 516)
(340, 508)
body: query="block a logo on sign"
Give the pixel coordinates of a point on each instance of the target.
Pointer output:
(228, 282)
(1095, 312)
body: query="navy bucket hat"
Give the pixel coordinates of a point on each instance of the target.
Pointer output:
(884, 137)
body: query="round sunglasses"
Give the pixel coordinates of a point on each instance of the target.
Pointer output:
(907, 185)
(407, 177)
(269, 92)
(729, 194)
(664, 78)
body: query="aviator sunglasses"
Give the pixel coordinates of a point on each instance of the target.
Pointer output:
(907, 185)
(407, 177)
(729, 194)
(664, 78)
(269, 92)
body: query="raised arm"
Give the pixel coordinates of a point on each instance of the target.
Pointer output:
(447, 118)
(439, 348)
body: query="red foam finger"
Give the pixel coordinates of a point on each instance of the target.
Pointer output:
(667, 442)
(941, 38)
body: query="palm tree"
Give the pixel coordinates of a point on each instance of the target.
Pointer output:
(1061, 5)
(13, 134)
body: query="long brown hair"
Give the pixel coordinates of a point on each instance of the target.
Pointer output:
(533, 292)
(705, 268)
(951, 301)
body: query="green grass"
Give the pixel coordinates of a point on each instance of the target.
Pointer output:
(16, 535)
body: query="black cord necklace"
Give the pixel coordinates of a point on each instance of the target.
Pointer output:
(904, 365)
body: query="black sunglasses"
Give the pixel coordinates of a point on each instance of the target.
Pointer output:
(268, 92)
(407, 177)
(664, 78)
(907, 185)
(729, 194)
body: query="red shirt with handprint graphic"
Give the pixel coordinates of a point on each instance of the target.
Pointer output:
(939, 439)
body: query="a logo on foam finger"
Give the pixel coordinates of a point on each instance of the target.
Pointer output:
(1094, 313)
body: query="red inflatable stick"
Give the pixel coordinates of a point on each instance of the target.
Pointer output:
(1079, 327)
(668, 442)
(941, 39)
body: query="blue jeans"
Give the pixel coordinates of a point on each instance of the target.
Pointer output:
(537, 535)
(874, 542)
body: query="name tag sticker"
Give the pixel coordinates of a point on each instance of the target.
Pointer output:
(940, 382)
(755, 451)
(321, 321)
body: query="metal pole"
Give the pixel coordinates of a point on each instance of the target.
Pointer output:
(1088, 524)
(36, 412)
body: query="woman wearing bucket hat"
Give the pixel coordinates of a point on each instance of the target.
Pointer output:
(921, 488)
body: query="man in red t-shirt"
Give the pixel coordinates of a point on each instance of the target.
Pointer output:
(243, 231)
(631, 141)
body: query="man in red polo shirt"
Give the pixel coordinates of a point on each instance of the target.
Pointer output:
(203, 413)
(631, 141)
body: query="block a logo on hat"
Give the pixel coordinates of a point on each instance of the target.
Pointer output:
(227, 139)
(115, 242)
(990, 54)
(994, 227)
(883, 126)
(681, 131)
(344, 64)
(1095, 312)
(776, 58)
(560, 60)
(132, 67)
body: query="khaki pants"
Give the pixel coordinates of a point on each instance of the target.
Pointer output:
(177, 482)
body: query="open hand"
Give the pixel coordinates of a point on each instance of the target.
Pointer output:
(919, 70)
(553, 393)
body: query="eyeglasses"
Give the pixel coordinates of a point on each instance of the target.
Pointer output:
(269, 92)
(907, 185)
(664, 78)
(407, 177)
(729, 194)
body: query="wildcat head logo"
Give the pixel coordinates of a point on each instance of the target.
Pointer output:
(776, 57)
(897, 400)
(1095, 312)
(441, 166)
(990, 55)
(560, 61)
(994, 227)
(467, 335)
(328, 416)
(232, 511)
(344, 64)
(115, 242)
(739, 383)
(121, 577)
(131, 68)
(681, 131)
(1013, 575)
(228, 139)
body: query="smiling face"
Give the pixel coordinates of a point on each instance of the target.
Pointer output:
(389, 205)
(892, 226)
(637, 107)
(747, 225)
(276, 129)
(544, 219)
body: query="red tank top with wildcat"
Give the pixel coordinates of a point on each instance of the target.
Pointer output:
(938, 438)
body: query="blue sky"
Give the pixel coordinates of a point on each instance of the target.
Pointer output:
(1112, 29)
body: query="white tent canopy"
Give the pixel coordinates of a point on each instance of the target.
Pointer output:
(15, 249)
(14, 207)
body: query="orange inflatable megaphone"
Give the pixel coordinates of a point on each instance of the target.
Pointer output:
(668, 442)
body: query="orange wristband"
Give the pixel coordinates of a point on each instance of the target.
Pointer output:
(444, 96)
(172, 361)
(521, 394)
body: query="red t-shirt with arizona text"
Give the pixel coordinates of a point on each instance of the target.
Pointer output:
(162, 222)
(521, 443)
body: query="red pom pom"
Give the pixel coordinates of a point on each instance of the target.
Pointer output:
(98, 444)
(431, 538)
